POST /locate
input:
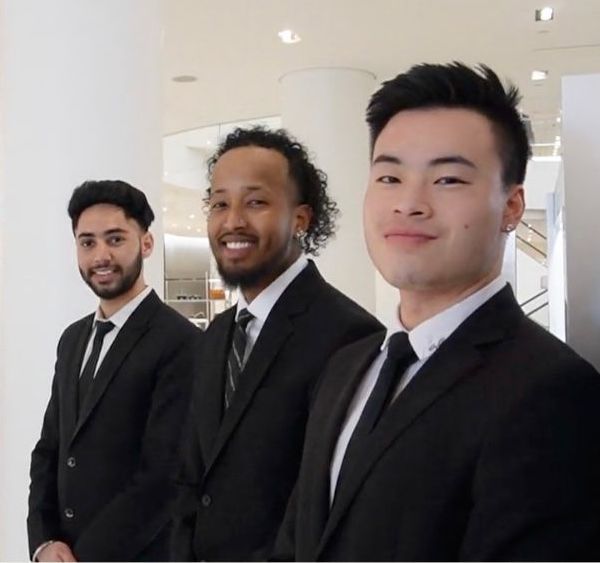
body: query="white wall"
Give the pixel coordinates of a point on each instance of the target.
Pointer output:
(581, 150)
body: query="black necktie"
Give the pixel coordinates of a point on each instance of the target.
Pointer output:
(87, 375)
(235, 359)
(400, 355)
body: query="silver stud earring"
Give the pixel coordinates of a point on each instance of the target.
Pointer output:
(509, 228)
(300, 234)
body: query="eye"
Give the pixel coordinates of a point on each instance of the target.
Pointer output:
(387, 179)
(115, 240)
(216, 206)
(86, 243)
(257, 202)
(450, 181)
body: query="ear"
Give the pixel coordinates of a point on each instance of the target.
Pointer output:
(514, 206)
(147, 242)
(302, 217)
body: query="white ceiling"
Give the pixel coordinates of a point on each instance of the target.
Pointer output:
(233, 49)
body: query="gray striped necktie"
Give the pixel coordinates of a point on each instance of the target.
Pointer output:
(235, 359)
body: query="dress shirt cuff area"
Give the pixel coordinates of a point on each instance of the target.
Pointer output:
(34, 557)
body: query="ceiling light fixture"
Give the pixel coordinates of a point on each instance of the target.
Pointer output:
(289, 36)
(544, 14)
(185, 78)
(537, 75)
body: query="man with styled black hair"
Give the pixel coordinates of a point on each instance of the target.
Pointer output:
(101, 472)
(261, 359)
(465, 431)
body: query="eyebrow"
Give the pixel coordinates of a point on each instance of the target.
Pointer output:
(104, 234)
(246, 188)
(450, 159)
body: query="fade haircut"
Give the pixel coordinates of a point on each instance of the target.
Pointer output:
(456, 85)
(132, 201)
(311, 183)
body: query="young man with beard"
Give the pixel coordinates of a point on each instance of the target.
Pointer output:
(261, 360)
(466, 432)
(100, 473)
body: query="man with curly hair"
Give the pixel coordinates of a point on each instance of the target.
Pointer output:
(261, 359)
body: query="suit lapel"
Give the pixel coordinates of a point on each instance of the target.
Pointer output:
(275, 332)
(211, 380)
(74, 369)
(336, 398)
(129, 335)
(457, 358)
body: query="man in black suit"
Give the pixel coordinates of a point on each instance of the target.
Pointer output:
(100, 473)
(260, 359)
(466, 431)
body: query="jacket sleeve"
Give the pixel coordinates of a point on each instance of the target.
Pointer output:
(187, 479)
(536, 494)
(43, 522)
(139, 513)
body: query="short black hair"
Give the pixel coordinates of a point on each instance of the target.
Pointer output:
(132, 201)
(310, 181)
(456, 85)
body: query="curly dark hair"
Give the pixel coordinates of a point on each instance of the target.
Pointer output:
(310, 181)
(456, 85)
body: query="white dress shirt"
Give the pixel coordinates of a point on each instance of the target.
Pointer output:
(425, 340)
(118, 319)
(263, 303)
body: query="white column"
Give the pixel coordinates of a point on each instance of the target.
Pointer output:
(581, 147)
(325, 109)
(80, 100)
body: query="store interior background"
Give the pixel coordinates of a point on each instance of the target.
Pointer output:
(144, 90)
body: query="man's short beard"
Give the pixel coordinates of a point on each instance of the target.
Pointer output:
(130, 276)
(247, 279)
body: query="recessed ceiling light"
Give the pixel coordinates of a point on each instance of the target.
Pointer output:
(189, 228)
(289, 36)
(165, 209)
(185, 78)
(192, 216)
(544, 14)
(539, 75)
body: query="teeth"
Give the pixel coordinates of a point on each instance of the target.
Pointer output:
(235, 245)
(103, 272)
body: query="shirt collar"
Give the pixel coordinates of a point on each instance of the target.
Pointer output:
(427, 337)
(120, 317)
(263, 303)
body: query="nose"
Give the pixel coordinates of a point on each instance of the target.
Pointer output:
(411, 200)
(235, 218)
(101, 254)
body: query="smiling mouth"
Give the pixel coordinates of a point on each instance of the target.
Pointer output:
(238, 245)
(103, 272)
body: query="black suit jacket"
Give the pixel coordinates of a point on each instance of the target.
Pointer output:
(240, 467)
(492, 452)
(100, 482)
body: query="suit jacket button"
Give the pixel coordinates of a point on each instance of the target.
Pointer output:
(206, 501)
(69, 513)
(71, 462)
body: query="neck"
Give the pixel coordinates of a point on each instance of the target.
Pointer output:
(250, 293)
(109, 307)
(417, 306)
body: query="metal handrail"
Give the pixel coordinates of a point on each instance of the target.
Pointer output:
(530, 227)
(524, 241)
(537, 309)
(533, 298)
